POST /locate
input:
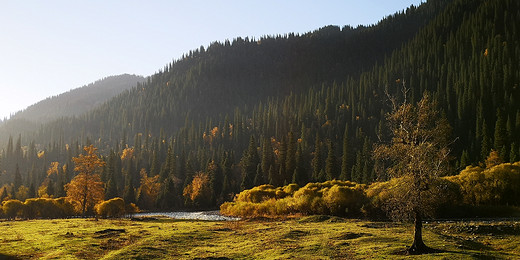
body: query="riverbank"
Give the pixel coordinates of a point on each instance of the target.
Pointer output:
(315, 237)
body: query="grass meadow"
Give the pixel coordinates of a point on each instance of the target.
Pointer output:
(313, 237)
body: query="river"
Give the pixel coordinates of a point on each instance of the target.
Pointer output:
(200, 215)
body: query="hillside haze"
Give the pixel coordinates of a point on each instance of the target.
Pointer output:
(80, 100)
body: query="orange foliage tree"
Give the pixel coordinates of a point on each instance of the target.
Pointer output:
(199, 190)
(86, 189)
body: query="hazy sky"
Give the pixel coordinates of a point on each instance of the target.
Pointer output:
(49, 47)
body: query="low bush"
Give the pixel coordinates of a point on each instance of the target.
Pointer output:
(341, 198)
(494, 186)
(47, 208)
(266, 192)
(131, 208)
(12, 208)
(112, 208)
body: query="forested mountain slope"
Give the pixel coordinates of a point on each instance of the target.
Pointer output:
(72, 103)
(78, 101)
(298, 108)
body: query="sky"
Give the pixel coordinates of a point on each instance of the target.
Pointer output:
(50, 47)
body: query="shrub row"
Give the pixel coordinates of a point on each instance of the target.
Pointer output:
(37, 208)
(340, 198)
(473, 192)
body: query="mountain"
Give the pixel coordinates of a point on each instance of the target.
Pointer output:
(78, 101)
(298, 107)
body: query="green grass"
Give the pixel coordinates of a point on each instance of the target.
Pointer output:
(315, 237)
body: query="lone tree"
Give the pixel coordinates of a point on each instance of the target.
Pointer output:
(86, 189)
(417, 155)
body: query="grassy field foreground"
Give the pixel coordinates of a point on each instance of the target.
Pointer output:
(315, 237)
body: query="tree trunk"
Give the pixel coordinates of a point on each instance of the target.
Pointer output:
(418, 247)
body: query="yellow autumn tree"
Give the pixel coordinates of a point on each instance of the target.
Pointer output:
(148, 191)
(199, 190)
(86, 189)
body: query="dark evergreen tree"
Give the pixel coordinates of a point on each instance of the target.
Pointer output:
(167, 197)
(300, 175)
(111, 188)
(129, 191)
(317, 160)
(501, 136)
(345, 165)
(249, 162)
(17, 178)
(290, 160)
(332, 169)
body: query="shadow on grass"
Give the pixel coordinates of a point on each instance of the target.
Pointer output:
(8, 257)
(467, 247)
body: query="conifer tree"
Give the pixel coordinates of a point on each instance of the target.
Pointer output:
(129, 191)
(111, 188)
(331, 164)
(345, 166)
(290, 161)
(249, 162)
(501, 136)
(17, 178)
(300, 176)
(259, 176)
(485, 146)
(167, 198)
(282, 162)
(316, 160)
(215, 179)
(267, 156)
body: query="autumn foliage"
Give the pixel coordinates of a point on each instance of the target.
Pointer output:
(198, 192)
(342, 198)
(148, 191)
(86, 189)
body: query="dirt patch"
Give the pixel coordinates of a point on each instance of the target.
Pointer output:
(292, 234)
(8, 257)
(379, 225)
(351, 235)
(109, 232)
(224, 229)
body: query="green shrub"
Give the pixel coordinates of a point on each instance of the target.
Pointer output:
(112, 208)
